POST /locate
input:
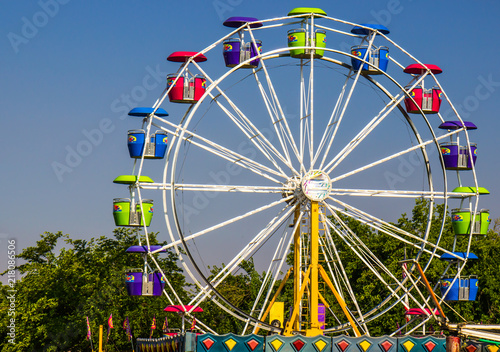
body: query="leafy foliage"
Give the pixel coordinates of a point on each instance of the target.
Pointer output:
(85, 279)
(240, 289)
(59, 289)
(370, 290)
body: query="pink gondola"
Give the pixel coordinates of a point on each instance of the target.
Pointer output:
(186, 88)
(421, 99)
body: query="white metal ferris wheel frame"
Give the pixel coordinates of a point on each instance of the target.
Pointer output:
(181, 134)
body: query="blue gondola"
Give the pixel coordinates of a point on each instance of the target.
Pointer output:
(153, 146)
(459, 288)
(371, 60)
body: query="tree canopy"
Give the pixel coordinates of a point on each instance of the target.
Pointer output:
(241, 289)
(85, 279)
(66, 280)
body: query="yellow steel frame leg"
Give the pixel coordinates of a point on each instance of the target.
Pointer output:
(341, 302)
(296, 264)
(296, 307)
(100, 338)
(280, 288)
(311, 278)
(315, 327)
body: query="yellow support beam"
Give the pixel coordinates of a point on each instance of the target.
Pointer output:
(296, 265)
(280, 288)
(100, 338)
(314, 329)
(289, 326)
(310, 281)
(340, 300)
(321, 298)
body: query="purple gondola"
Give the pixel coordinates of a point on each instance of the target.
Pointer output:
(455, 155)
(140, 283)
(235, 50)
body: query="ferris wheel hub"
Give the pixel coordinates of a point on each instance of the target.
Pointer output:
(316, 185)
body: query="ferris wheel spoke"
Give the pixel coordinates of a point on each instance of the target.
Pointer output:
(215, 188)
(273, 272)
(369, 259)
(227, 188)
(391, 157)
(385, 227)
(274, 116)
(360, 248)
(245, 125)
(355, 245)
(370, 127)
(302, 116)
(252, 246)
(270, 276)
(228, 222)
(374, 222)
(255, 136)
(275, 110)
(311, 106)
(387, 193)
(307, 109)
(345, 105)
(227, 154)
(333, 124)
(207, 291)
(333, 253)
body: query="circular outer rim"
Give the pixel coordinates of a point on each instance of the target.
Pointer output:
(181, 233)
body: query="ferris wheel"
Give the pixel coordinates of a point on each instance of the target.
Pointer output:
(306, 130)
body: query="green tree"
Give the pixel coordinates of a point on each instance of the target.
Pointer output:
(59, 290)
(370, 291)
(241, 289)
(85, 279)
(390, 251)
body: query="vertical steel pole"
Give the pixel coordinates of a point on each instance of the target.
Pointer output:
(296, 268)
(100, 338)
(314, 329)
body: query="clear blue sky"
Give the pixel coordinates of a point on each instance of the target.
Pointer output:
(69, 68)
